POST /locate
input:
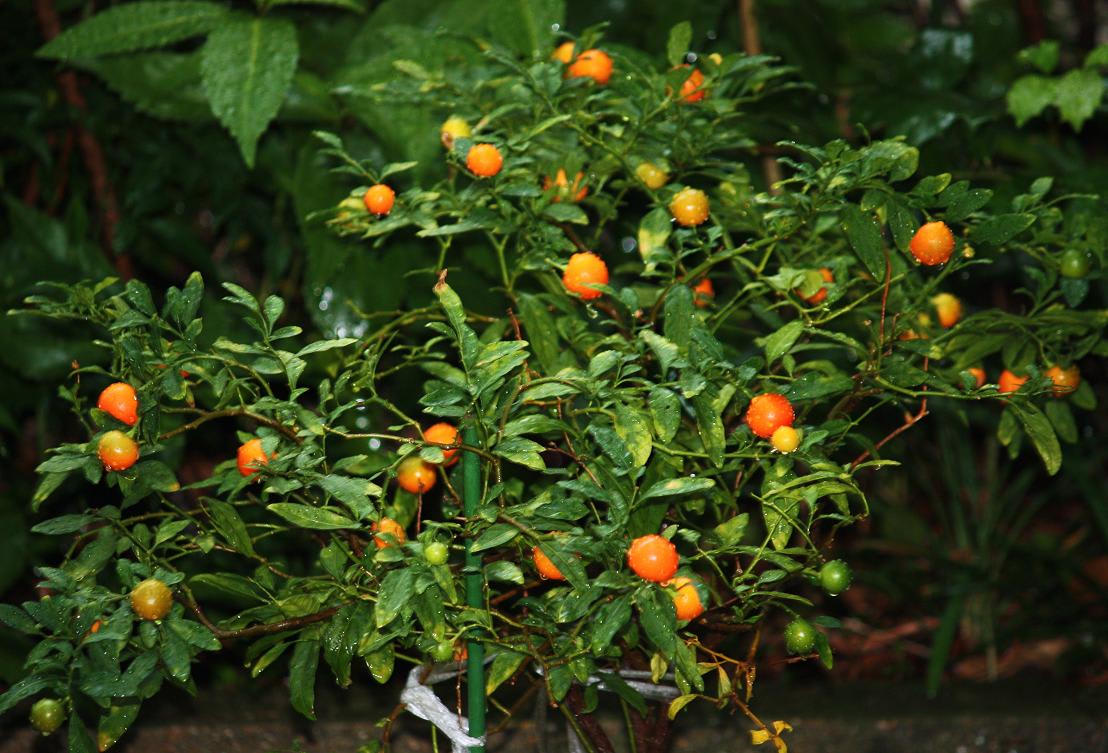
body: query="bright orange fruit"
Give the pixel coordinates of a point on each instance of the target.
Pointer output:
(1009, 382)
(120, 402)
(379, 199)
(585, 269)
(484, 160)
(389, 527)
(444, 433)
(949, 309)
(415, 475)
(767, 413)
(653, 558)
(703, 293)
(594, 64)
(251, 457)
(151, 599)
(547, 569)
(932, 244)
(687, 599)
(1065, 380)
(693, 89)
(563, 53)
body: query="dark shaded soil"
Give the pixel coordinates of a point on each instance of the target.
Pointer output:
(1033, 715)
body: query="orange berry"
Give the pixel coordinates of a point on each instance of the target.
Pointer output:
(767, 413)
(594, 64)
(703, 293)
(444, 433)
(379, 199)
(388, 527)
(1065, 380)
(693, 89)
(978, 375)
(785, 439)
(687, 599)
(484, 160)
(117, 451)
(689, 207)
(932, 244)
(94, 628)
(563, 53)
(585, 269)
(820, 295)
(547, 569)
(653, 558)
(251, 457)
(949, 309)
(415, 475)
(151, 599)
(563, 190)
(1009, 382)
(120, 402)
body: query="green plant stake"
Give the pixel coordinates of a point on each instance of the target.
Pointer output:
(475, 669)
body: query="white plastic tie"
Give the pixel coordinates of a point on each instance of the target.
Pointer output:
(422, 701)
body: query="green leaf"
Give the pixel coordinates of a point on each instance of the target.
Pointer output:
(504, 570)
(1042, 435)
(865, 238)
(902, 224)
(504, 665)
(1061, 418)
(524, 25)
(302, 671)
(246, 66)
(944, 639)
(230, 525)
(494, 536)
(63, 524)
(1043, 55)
(665, 411)
(675, 487)
(607, 621)
(353, 492)
(394, 595)
(114, 723)
(654, 231)
(1029, 96)
(779, 343)
(321, 345)
(540, 330)
(162, 84)
(566, 213)
(315, 518)
(778, 514)
(619, 686)
(135, 26)
(1077, 95)
(467, 339)
(658, 619)
(523, 451)
(632, 429)
(710, 425)
(680, 37)
(1000, 229)
(1098, 57)
(679, 314)
(25, 688)
(358, 6)
(17, 619)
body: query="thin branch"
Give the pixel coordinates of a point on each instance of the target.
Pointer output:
(752, 45)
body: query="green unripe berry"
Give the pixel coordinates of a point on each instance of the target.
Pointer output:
(443, 651)
(800, 636)
(1075, 263)
(436, 553)
(835, 577)
(47, 715)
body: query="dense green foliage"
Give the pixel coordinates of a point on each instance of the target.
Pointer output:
(597, 422)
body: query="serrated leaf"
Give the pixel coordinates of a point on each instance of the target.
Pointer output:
(134, 26)
(246, 67)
